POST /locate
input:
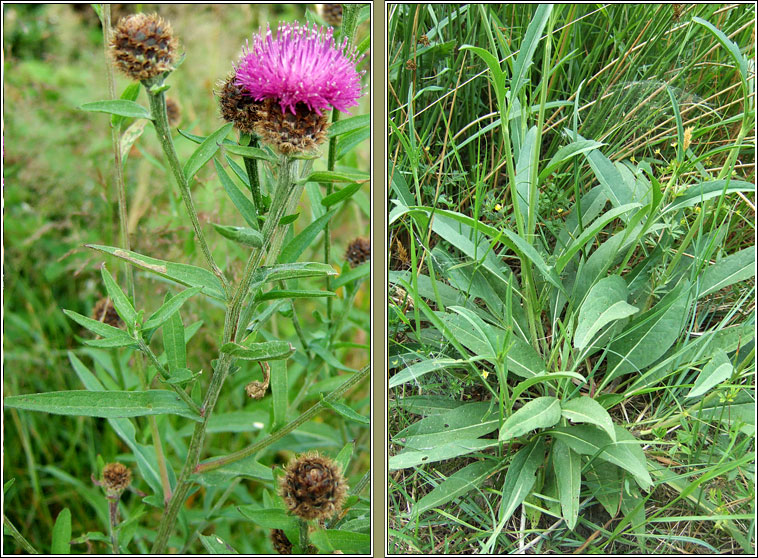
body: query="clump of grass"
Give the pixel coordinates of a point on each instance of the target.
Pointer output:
(568, 187)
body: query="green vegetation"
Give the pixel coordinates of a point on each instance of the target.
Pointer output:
(572, 289)
(63, 253)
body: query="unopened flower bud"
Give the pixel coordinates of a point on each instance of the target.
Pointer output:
(116, 479)
(313, 487)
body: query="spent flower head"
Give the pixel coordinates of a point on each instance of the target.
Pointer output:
(143, 46)
(300, 65)
(313, 487)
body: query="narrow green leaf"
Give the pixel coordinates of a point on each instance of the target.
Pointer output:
(343, 457)
(98, 327)
(354, 274)
(187, 275)
(528, 47)
(520, 477)
(294, 270)
(119, 107)
(268, 350)
(279, 391)
(336, 176)
(205, 151)
(605, 303)
(468, 421)
(250, 152)
(415, 371)
(648, 336)
(330, 540)
(121, 302)
(269, 518)
(130, 93)
(277, 294)
(626, 452)
(305, 238)
(349, 125)
(731, 47)
(341, 195)
(170, 307)
(545, 377)
(243, 235)
(216, 545)
(241, 201)
(104, 404)
(412, 457)
(174, 344)
(542, 412)
(727, 271)
(347, 412)
(62, 533)
(698, 193)
(456, 485)
(568, 475)
(718, 369)
(586, 409)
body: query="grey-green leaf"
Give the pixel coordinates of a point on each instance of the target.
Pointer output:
(727, 271)
(568, 475)
(250, 152)
(413, 458)
(587, 410)
(243, 235)
(329, 540)
(542, 412)
(718, 369)
(459, 483)
(605, 303)
(520, 477)
(469, 421)
(104, 404)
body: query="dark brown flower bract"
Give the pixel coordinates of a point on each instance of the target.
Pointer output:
(280, 542)
(291, 133)
(313, 487)
(237, 106)
(143, 46)
(331, 13)
(358, 251)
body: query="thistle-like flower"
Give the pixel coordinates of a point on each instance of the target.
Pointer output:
(313, 487)
(296, 76)
(143, 46)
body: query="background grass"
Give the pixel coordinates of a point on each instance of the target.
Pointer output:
(59, 195)
(607, 74)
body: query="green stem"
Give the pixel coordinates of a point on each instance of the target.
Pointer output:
(284, 191)
(165, 375)
(213, 464)
(156, 96)
(113, 523)
(304, 542)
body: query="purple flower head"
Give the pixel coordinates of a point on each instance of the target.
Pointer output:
(300, 65)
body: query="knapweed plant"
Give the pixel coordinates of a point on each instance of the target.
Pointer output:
(282, 97)
(542, 351)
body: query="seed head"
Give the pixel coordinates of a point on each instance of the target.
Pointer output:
(358, 251)
(143, 46)
(280, 542)
(237, 106)
(116, 479)
(313, 487)
(330, 13)
(105, 312)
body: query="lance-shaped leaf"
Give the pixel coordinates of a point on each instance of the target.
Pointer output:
(604, 304)
(268, 350)
(718, 369)
(104, 404)
(459, 483)
(243, 235)
(625, 452)
(205, 151)
(542, 412)
(121, 302)
(169, 308)
(305, 238)
(278, 294)
(336, 176)
(412, 458)
(187, 275)
(520, 477)
(298, 270)
(241, 201)
(118, 107)
(111, 336)
(568, 475)
(587, 410)
(349, 542)
(250, 152)
(341, 195)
